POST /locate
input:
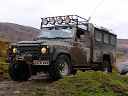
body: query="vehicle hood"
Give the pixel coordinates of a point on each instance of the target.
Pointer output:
(46, 42)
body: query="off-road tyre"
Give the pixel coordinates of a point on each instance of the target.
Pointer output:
(106, 66)
(19, 73)
(62, 63)
(123, 73)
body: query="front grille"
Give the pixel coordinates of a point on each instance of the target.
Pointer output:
(34, 50)
(29, 49)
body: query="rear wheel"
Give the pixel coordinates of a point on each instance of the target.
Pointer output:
(106, 66)
(60, 68)
(123, 72)
(19, 73)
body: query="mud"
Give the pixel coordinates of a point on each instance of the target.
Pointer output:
(14, 88)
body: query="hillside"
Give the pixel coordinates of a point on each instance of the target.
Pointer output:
(15, 32)
(122, 45)
(122, 41)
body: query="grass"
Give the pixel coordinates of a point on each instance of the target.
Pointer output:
(4, 40)
(119, 56)
(3, 56)
(90, 83)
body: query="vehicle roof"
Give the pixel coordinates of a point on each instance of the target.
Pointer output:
(105, 29)
(74, 20)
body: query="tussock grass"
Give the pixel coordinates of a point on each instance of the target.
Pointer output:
(90, 83)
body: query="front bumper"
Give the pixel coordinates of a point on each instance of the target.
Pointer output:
(41, 62)
(29, 58)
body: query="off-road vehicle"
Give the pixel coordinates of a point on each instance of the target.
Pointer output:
(65, 44)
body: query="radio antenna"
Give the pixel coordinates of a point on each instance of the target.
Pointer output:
(95, 10)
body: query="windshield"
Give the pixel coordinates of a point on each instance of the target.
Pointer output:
(56, 32)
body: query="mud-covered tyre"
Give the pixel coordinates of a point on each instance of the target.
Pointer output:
(19, 73)
(60, 68)
(123, 72)
(106, 66)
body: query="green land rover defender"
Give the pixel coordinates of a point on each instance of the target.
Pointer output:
(64, 45)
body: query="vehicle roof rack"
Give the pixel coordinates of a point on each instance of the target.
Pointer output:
(64, 20)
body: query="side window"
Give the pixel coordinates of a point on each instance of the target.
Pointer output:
(98, 35)
(87, 40)
(106, 38)
(80, 36)
(113, 40)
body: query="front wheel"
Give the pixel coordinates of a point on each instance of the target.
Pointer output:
(60, 68)
(19, 73)
(106, 66)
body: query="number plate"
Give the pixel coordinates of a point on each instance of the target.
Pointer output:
(20, 58)
(40, 62)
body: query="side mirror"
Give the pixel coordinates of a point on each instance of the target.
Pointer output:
(82, 38)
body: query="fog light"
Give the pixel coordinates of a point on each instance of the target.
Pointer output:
(10, 47)
(59, 20)
(47, 47)
(45, 21)
(67, 20)
(52, 21)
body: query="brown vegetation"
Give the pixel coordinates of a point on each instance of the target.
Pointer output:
(3, 56)
(15, 32)
(122, 43)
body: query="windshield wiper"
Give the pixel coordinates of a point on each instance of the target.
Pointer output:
(62, 37)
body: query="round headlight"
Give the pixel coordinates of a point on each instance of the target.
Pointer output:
(59, 20)
(10, 47)
(45, 21)
(43, 50)
(67, 20)
(14, 50)
(52, 21)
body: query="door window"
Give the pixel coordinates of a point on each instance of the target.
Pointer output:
(80, 36)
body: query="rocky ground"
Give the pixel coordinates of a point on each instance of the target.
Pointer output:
(14, 88)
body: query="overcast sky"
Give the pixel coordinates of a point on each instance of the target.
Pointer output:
(112, 14)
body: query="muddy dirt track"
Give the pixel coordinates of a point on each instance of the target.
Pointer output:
(14, 88)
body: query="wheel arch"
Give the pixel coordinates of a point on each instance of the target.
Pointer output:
(59, 52)
(107, 57)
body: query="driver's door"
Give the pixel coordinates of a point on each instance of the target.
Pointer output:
(80, 53)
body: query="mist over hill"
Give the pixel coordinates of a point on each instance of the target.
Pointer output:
(16, 32)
